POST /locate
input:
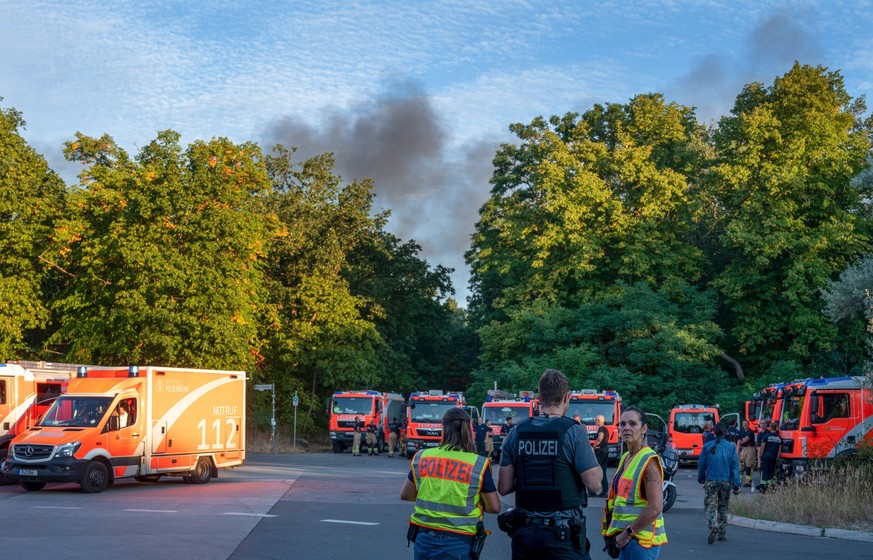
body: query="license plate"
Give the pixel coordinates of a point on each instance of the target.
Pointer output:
(26, 472)
(431, 444)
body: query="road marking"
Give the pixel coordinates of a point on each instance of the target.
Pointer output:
(347, 522)
(55, 507)
(154, 510)
(249, 514)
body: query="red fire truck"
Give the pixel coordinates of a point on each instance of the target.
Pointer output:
(822, 419)
(425, 411)
(499, 406)
(369, 406)
(588, 404)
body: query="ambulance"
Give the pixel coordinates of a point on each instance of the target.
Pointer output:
(369, 406)
(685, 428)
(588, 404)
(26, 391)
(499, 406)
(135, 422)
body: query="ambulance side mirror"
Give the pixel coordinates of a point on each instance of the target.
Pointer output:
(113, 423)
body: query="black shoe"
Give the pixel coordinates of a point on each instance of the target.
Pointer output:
(712, 534)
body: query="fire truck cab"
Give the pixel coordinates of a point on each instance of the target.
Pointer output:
(685, 428)
(588, 404)
(499, 406)
(822, 419)
(368, 405)
(425, 411)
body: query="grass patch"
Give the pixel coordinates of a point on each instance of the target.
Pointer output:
(841, 498)
(258, 441)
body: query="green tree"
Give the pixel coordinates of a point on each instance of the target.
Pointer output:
(31, 197)
(584, 201)
(320, 336)
(792, 217)
(161, 254)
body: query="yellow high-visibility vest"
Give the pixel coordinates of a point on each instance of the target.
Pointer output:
(626, 503)
(448, 484)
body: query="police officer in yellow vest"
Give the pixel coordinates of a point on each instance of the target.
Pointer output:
(452, 487)
(632, 515)
(548, 462)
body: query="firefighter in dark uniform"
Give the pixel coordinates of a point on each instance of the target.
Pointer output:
(769, 450)
(548, 462)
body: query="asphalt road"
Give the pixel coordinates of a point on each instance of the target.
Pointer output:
(316, 506)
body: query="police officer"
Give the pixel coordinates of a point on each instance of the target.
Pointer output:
(548, 462)
(769, 450)
(393, 436)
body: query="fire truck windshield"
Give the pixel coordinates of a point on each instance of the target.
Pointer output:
(353, 405)
(499, 414)
(589, 410)
(76, 411)
(791, 408)
(429, 411)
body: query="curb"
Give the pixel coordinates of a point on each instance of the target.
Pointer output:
(764, 525)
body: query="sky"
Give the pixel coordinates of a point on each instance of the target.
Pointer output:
(416, 95)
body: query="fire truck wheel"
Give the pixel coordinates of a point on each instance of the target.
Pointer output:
(202, 471)
(338, 447)
(32, 486)
(95, 479)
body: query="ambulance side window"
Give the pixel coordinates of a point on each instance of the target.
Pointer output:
(2, 391)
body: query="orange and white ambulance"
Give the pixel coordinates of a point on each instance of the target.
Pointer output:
(132, 422)
(26, 391)
(685, 429)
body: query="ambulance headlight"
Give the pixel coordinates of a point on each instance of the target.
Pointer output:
(68, 449)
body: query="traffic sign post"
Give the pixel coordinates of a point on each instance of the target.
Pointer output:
(295, 401)
(272, 388)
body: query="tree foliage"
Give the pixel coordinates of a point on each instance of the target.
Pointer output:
(31, 197)
(161, 254)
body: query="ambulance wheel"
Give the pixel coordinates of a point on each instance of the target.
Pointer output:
(95, 479)
(202, 471)
(32, 486)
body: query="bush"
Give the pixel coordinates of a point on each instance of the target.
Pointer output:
(839, 498)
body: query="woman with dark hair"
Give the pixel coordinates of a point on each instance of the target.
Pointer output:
(632, 515)
(452, 488)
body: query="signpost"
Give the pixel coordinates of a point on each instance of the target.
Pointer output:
(272, 388)
(295, 401)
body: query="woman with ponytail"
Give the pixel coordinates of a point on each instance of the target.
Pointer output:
(452, 488)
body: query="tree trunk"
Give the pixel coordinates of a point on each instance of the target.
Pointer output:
(737, 367)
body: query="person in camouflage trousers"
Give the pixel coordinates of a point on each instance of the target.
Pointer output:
(718, 469)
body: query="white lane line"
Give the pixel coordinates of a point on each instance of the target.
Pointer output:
(154, 510)
(347, 522)
(55, 507)
(249, 514)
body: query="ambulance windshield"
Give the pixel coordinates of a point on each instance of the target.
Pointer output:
(73, 410)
